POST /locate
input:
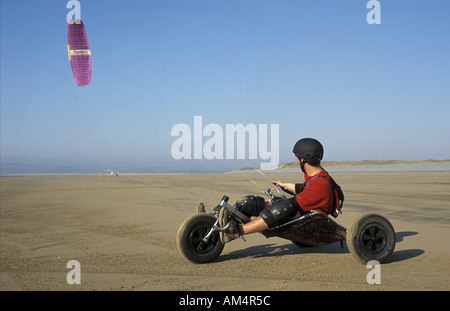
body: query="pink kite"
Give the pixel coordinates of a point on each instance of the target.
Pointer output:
(79, 52)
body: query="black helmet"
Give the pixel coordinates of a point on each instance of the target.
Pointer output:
(309, 149)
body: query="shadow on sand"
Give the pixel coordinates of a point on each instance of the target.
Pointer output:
(407, 253)
(273, 249)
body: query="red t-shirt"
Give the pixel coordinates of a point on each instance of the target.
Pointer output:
(317, 194)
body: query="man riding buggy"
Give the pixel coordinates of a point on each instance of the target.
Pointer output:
(315, 195)
(302, 219)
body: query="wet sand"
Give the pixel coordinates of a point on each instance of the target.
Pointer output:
(122, 230)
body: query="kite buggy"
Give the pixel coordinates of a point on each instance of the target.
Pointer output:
(370, 237)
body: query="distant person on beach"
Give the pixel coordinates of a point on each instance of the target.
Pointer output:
(313, 195)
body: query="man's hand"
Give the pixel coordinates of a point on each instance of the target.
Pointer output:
(285, 185)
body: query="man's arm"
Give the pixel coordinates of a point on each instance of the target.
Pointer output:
(291, 188)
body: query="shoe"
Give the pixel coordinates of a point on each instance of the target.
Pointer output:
(201, 208)
(232, 231)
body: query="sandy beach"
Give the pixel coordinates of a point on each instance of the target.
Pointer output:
(122, 230)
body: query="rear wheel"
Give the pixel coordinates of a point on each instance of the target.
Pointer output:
(190, 239)
(371, 237)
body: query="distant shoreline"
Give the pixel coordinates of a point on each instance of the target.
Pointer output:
(353, 163)
(367, 162)
(331, 166)
(364, 166)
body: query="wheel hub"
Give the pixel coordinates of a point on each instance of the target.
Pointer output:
(373, 238)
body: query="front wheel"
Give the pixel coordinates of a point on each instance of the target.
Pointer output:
(371, 237)
(190, 239)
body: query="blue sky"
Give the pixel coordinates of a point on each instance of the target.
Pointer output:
(316, 68)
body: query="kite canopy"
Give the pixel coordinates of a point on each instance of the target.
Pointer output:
(79, 52)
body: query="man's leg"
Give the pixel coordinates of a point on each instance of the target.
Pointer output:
(275, 214)
(256, 225)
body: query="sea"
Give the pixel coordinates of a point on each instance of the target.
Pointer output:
(401, 167)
